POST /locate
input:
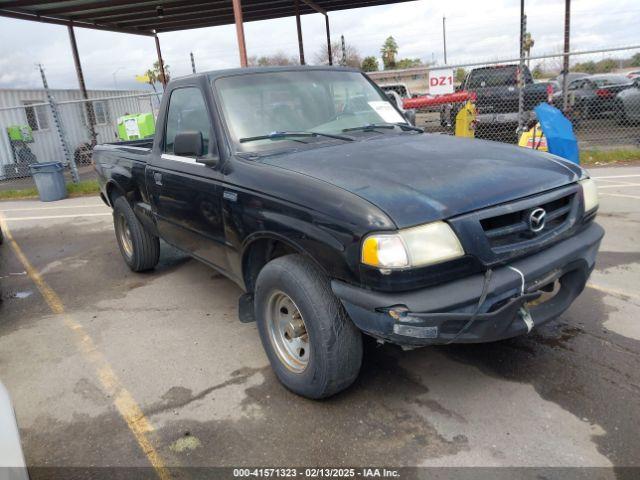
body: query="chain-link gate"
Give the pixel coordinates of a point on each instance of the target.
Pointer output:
(602, 98)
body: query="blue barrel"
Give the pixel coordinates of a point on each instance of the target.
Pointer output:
(49, 180)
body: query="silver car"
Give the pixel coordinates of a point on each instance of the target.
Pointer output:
(12, 464)
(628, 104)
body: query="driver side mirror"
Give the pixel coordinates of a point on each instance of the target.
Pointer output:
(188, 144)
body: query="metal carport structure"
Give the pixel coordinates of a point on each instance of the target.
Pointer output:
(158, 16)
(151, 17)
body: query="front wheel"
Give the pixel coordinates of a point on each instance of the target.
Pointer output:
(139, 248)
(313, 347)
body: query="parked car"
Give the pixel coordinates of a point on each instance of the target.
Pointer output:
(634, 74)
(594, 96)
(307, 187)
(12, 464)
(571, 76)
(628, 104)
(497, 100)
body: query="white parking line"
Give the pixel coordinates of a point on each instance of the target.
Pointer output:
(614, 181)
(625, 185)
(53, 217)
(616, 176)
(97, 205)
(620, 195)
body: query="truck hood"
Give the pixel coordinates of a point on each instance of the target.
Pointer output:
(419, 178)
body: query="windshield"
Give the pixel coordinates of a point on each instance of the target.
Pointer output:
(320, 101)
(611, 80)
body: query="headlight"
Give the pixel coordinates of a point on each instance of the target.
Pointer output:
(590, 194)
(413, 247)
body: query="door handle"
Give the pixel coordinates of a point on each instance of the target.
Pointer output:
(157, 177)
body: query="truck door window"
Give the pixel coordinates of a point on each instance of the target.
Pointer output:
(187, 112)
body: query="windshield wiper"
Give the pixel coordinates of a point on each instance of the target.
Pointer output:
(281, 135)
(371, 127)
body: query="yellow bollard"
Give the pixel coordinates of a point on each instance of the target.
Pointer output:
(466, 120)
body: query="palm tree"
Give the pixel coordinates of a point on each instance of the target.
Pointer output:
(389, 51)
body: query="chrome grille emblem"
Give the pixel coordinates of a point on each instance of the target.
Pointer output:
(537, 219)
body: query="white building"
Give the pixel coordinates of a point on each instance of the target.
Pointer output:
(30, 107)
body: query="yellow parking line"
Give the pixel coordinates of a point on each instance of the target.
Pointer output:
(123, 400)
(612, 291)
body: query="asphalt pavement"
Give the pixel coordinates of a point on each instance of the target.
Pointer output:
(111, 368)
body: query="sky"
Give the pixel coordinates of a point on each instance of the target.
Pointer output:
(476, 31)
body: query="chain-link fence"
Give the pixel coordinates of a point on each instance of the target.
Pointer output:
(602, 98)
(65, 130)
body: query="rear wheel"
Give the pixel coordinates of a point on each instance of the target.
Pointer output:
(621, 114)
(139, 248)
(312, 345)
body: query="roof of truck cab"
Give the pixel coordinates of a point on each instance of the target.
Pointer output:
(252, 70)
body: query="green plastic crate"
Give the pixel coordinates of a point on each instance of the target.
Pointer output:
(136, 126)
(21, 133)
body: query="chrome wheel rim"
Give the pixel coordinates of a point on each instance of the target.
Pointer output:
(288, 332)
(124, 235)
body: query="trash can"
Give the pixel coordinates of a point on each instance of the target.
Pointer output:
(49, 180)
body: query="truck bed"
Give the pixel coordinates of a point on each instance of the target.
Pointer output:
(137, 150)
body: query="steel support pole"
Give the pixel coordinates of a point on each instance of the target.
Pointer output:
(296, 5)
(329, 53)
(163, 78)
(237, 15)
(521, 81)
(193, 63)
(444, 38)
(91, 116)
(565, 58)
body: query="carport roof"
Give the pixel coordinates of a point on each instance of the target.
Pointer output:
(157, 16)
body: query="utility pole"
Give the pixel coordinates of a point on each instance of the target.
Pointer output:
(565, 58)
(193, 63)
(57, 120)
(523, 28)
(444, 38)
(343, 60)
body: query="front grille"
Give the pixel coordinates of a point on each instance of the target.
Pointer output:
(513, 227)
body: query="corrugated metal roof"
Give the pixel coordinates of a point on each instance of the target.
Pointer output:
(147, 17)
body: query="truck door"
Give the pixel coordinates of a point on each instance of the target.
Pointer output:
(187, 195)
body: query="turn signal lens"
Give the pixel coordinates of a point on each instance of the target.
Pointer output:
(384, 251)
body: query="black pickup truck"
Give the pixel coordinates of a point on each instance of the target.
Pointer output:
(497, 99)
(307, 188)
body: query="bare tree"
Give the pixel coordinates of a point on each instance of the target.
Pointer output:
(354, 59)
(276, 59)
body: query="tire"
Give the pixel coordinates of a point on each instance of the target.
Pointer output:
(140, 249)
(621, 114)
(334, 344)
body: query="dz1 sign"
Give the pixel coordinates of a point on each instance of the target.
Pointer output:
(441, 81)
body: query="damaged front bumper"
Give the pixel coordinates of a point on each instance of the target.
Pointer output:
(512, 306)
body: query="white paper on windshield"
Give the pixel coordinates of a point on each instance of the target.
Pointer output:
(131, 127)
(387, 112)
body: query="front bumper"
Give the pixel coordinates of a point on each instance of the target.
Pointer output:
(509, 118)
(436, 315)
